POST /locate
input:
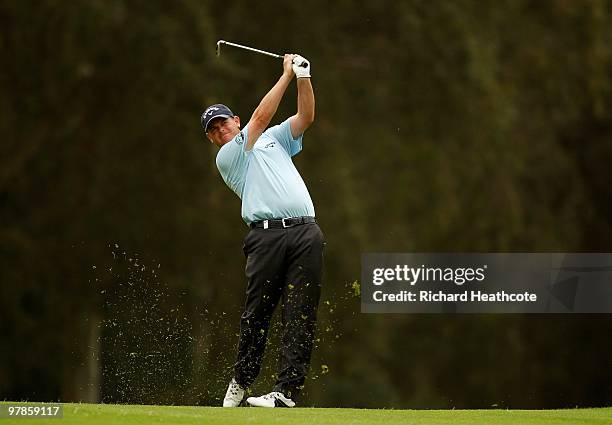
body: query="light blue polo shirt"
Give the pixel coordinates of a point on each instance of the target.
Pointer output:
(265, 178)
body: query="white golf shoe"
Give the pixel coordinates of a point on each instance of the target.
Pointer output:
(273, 399)
(234, 394)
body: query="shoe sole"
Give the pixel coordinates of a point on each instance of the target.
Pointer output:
(253, 402)
(277, 403)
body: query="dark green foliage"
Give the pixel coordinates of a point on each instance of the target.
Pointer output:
(441, 126)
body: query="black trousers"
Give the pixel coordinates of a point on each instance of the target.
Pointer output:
(281, 265)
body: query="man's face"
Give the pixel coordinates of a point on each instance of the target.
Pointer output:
(222, 130)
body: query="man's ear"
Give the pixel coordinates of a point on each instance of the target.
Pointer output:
(237, 120)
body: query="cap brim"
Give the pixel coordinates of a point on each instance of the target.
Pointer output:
(216, 116)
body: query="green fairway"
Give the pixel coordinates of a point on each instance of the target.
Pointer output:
(93, 414)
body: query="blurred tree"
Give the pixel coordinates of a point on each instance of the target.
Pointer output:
(449, 126)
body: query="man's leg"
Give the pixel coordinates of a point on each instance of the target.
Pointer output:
(265, 251)
(300, 302)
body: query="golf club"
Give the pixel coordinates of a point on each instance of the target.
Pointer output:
(251, 49)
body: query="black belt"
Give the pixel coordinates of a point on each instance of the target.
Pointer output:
(282, 223)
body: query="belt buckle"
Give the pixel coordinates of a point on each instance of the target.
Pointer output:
(285, 225)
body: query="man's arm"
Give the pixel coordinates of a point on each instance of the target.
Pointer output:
(269, 104)
(305, 107)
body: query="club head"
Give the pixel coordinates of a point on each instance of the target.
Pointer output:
(219, 47)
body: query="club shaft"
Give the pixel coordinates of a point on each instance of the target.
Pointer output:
(240, 46)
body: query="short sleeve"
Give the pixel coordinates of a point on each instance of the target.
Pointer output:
(282, 133)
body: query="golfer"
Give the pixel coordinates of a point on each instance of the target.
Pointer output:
(284, 248)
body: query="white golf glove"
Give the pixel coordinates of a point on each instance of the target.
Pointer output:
(301, 67)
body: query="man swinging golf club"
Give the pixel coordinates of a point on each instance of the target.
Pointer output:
(284, 248)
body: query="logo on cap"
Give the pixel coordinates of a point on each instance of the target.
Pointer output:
(214, 111)
(210, 110)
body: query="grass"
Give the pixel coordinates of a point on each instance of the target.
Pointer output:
(93, 414)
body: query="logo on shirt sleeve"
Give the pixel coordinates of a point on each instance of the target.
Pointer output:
(240, 138)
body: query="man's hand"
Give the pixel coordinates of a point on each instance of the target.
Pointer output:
(301, 67)
(287, 65)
